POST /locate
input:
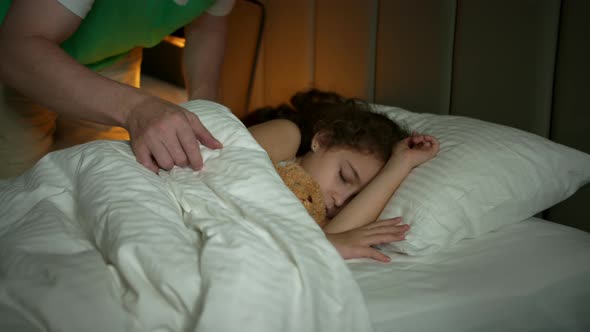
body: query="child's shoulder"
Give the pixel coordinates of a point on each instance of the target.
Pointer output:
(280, 138)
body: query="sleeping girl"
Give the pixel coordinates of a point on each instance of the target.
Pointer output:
(357, 157)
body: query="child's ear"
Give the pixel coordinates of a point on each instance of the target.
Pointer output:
(319, 140)
(315, 144)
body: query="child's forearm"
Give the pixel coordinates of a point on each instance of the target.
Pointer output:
(369, 203)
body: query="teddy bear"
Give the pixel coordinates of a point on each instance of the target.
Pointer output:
(305, 188)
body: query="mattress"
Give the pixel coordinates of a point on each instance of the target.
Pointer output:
(530, 276)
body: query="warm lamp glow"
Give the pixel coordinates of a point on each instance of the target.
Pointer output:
(176, 41)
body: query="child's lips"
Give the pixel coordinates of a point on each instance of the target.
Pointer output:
(329, 213)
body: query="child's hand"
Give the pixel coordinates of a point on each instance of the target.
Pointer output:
(416, 149)
(356, 243)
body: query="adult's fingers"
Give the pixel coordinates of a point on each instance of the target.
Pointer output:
(144, 157)
(176, 150)
(190, 144)
(204, 136)
(160, 154)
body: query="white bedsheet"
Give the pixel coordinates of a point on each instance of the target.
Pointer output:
(530, 276)
(92, 241)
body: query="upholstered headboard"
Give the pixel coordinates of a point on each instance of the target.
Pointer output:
(522, 63)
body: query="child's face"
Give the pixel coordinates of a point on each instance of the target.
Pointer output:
(340, 173)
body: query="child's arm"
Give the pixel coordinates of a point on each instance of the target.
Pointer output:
(369, 203)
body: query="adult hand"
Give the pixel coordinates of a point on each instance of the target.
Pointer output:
(358, 242)
(164, 134)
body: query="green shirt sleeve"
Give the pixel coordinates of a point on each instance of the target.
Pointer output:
(114, 27)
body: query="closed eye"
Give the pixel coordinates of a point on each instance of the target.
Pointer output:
(342, 178)
(354, 178)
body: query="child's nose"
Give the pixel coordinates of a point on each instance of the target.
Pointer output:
(339, 199)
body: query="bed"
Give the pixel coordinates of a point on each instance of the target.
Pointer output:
(90, 241)
(530, 276)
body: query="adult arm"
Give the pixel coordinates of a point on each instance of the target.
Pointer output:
(32, 61)
(203, 55)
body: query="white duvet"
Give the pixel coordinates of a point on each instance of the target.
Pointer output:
(92, 241)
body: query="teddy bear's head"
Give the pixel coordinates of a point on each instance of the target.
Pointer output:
(306, 189)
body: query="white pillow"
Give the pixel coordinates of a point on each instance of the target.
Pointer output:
(485, 176)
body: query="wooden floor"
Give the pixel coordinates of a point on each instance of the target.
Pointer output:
(162, 89)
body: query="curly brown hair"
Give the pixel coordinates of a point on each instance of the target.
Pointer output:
(343, 123)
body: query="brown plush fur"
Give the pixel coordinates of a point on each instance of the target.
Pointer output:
(306, 189)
